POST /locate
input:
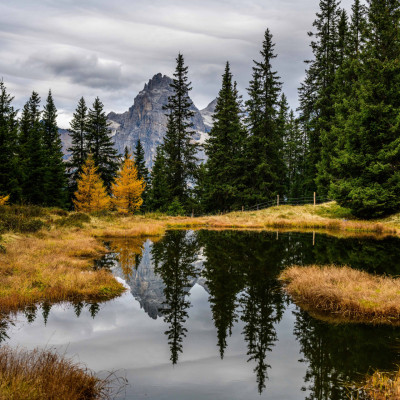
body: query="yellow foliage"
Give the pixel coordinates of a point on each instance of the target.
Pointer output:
(127, 188)
(91, 194)
(3, 200)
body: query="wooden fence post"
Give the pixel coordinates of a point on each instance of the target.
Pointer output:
(315, 198)
(277, 200)
(242, 208)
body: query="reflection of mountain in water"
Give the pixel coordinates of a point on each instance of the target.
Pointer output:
(147, 287)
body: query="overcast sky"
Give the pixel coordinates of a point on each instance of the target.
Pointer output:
(111, 48)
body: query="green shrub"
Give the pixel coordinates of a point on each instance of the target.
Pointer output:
(19, 223)
(175, 208)
(74, 219)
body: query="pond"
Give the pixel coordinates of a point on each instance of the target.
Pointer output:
(205, 318)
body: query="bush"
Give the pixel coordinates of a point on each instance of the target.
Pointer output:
(175, 208)
(74, 219)
(19, 223)
(58, 211)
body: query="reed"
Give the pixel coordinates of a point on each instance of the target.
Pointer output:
(45, 375)
(346, 294)
(380, 386)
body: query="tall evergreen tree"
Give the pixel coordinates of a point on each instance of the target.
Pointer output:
(265, 167)
(79, 146)
(225, 150)
(294, 156)
(56, 193)
(100, 144)
(159, 195)
(143, 172)
(33, 153)
(368, 166)
(178, 146)
(9, 166)
(316, 94)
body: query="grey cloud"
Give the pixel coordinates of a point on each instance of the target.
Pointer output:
(111, 49)
(82, 69)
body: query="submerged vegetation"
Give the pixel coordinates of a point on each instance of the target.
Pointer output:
(344, 294)
(382, 386)
(45, 375)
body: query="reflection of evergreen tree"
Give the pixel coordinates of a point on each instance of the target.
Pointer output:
(46, 307)
(263, 306)
(174, 256)
(5, 323)
(78, 306)
(30, 313)
(340, 354)
(94, 309)
(223, 272)
(246, 262)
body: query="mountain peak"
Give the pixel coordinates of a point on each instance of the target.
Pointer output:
(157, 81)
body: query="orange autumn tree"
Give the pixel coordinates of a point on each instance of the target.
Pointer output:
(127, 188)
(91, 194)
(4, 199)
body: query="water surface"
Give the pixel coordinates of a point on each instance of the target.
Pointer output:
(205, 318)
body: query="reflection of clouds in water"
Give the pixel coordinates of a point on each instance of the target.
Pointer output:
(122, 336)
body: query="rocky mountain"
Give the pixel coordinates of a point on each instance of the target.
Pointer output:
(146, 120)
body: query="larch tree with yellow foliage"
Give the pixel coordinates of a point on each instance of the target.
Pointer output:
(4, 199)
(128, 188)
(91, 194)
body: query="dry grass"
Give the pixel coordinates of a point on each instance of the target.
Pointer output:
(380, 386)
(347, 294)
(44, 375)
(54, 266)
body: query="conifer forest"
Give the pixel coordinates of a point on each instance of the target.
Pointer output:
(342, 142)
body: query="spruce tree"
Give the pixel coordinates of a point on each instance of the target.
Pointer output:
(159, 195)
(100, 144)
(9, 166)
(316, 95)
(143, 172)
(79, 146)
(265, 165)
(178, 146)
(294, 157)
(56, 185)
(33, 154)
(225, 150)
(368, 175)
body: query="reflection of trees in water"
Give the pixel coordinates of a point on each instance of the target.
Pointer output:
(262, 301)
(173, 257)
(245, 263)
(5, 324)
(339, 354)
(224, 275)
(129, 254)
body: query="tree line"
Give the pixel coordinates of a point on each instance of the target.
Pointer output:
(343, 142)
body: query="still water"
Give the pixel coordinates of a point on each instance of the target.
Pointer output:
(205, 318)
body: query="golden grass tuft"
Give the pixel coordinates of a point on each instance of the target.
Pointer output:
(346, 294)
(44, 375)
(54, 266)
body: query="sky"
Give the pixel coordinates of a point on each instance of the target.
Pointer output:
(111, 49)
